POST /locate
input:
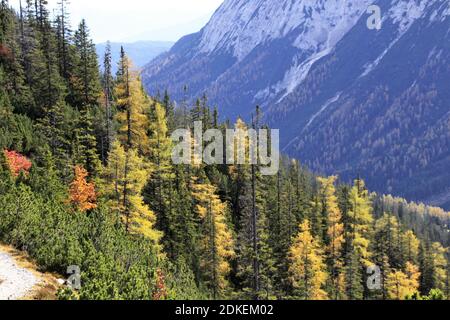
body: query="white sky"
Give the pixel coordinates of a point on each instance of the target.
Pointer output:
(133, 20)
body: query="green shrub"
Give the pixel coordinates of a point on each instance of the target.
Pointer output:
(113, 264)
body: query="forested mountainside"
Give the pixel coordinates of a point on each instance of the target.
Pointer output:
(86, 179)
(348, 100)
(140, 52)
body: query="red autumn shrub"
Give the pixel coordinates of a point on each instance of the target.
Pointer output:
(17, 163)
(160, 292)
(5, 53)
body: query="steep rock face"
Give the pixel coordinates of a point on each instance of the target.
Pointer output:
(379, 106)
(348, 100)
(261, 49)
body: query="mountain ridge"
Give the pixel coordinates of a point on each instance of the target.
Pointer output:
(140, 52)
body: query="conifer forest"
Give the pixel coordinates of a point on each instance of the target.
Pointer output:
(87, 179)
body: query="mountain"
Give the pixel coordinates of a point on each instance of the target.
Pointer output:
(348, 100)
(140, 52)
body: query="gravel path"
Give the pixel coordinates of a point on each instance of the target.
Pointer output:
(15, 282)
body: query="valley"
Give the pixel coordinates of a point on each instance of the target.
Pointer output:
(391, 84)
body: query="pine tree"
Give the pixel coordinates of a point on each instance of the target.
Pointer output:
(307, 267)
(44, 178)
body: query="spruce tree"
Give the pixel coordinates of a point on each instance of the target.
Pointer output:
(255, 263)
(159, 187)
(108, 100)
(427, 268)
(11, 59)
(84, 148)
(63, 34)
(169, 111)
(85, 78)
(181, 238)
(54, 128)
(51, 88)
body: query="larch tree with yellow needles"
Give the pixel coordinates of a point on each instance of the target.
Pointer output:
(159, 191)
(360, 222)
(127, 174)
(411, 245)
(403, 284)
(334, 235)
(216, 242)
(133, 107)
(307, 269)
(438, 255)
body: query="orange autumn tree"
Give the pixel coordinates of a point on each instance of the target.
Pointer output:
(82, 193)
(17, 163)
